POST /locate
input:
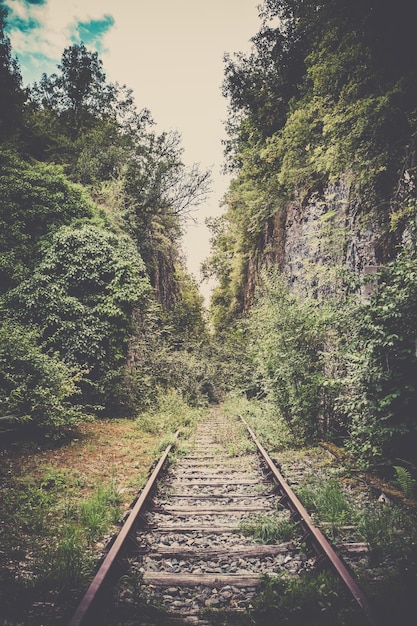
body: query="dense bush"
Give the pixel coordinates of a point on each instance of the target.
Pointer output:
(34, 199)
(35, 387)
(380, 387)
(286, 339)
(347, 368)
(82, 295)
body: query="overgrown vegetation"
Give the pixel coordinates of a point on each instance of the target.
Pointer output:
(307, 600)
(327, 500)
(99, 316)
(232, 437)
(322, 131)
(170, 414)
(98, 310)
(344, 368)
(270, 427)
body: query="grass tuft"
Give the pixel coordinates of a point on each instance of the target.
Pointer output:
(327, 500)
(268, 529)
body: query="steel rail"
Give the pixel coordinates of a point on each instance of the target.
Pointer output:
(85, 612)
(313, 534)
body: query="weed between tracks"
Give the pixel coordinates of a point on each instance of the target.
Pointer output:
(232, 437)
(268, 529)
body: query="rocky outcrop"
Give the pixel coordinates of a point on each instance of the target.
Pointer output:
(317, 235)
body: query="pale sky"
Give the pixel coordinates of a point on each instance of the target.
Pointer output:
(170, 52)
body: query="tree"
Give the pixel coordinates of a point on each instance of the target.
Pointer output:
(187, 314)
(80, 93)
(13, 96)
(35, 199)
(82, 295)
(160, 192)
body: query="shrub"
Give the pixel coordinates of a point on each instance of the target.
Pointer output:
(82, 294)
(286, 343)
(35, 387)
(380, 391)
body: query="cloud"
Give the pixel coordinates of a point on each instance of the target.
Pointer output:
(24, 24)
(92, 32)
(40, 30)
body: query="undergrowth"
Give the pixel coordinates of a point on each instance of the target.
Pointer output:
(262, 416)
(62, 556)
(268, 529)
(405, 480)
(233, 437)
(169, 414)
(309, 599)
(327, 500)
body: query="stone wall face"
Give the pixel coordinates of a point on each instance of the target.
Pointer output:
(314, 237)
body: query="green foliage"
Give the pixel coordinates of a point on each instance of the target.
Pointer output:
(35, 387)
(380, 527)
(317, 100)
(405, 480)
(13, 96)
(379, 390)
(309, 599)
(76, 117)
(268, 528)
(232, 436)
(82, 294)
(79, 93)
(189, 326)
(346, 367)
(286, 343)
(167, 354)
(82, 275)
(169, 414)
(98, 512)
(262, 416)
(327, 500)
(67, 565)
(35, 199)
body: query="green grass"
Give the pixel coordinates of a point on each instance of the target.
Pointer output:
(232, 437)
(97, 513)
(262, 417)
(310, 599)
(328, 502)
(169, 414)
(268, 529)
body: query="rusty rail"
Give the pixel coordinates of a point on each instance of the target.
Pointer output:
(89, 604)
(312, 533)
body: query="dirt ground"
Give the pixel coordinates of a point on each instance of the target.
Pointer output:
(104, 450)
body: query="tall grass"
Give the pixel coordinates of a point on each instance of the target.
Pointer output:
(170, 413)
(268, 529)
(262, 416)
(327, 500)
(99, 511)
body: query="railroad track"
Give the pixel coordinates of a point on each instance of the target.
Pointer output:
(185, 544)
